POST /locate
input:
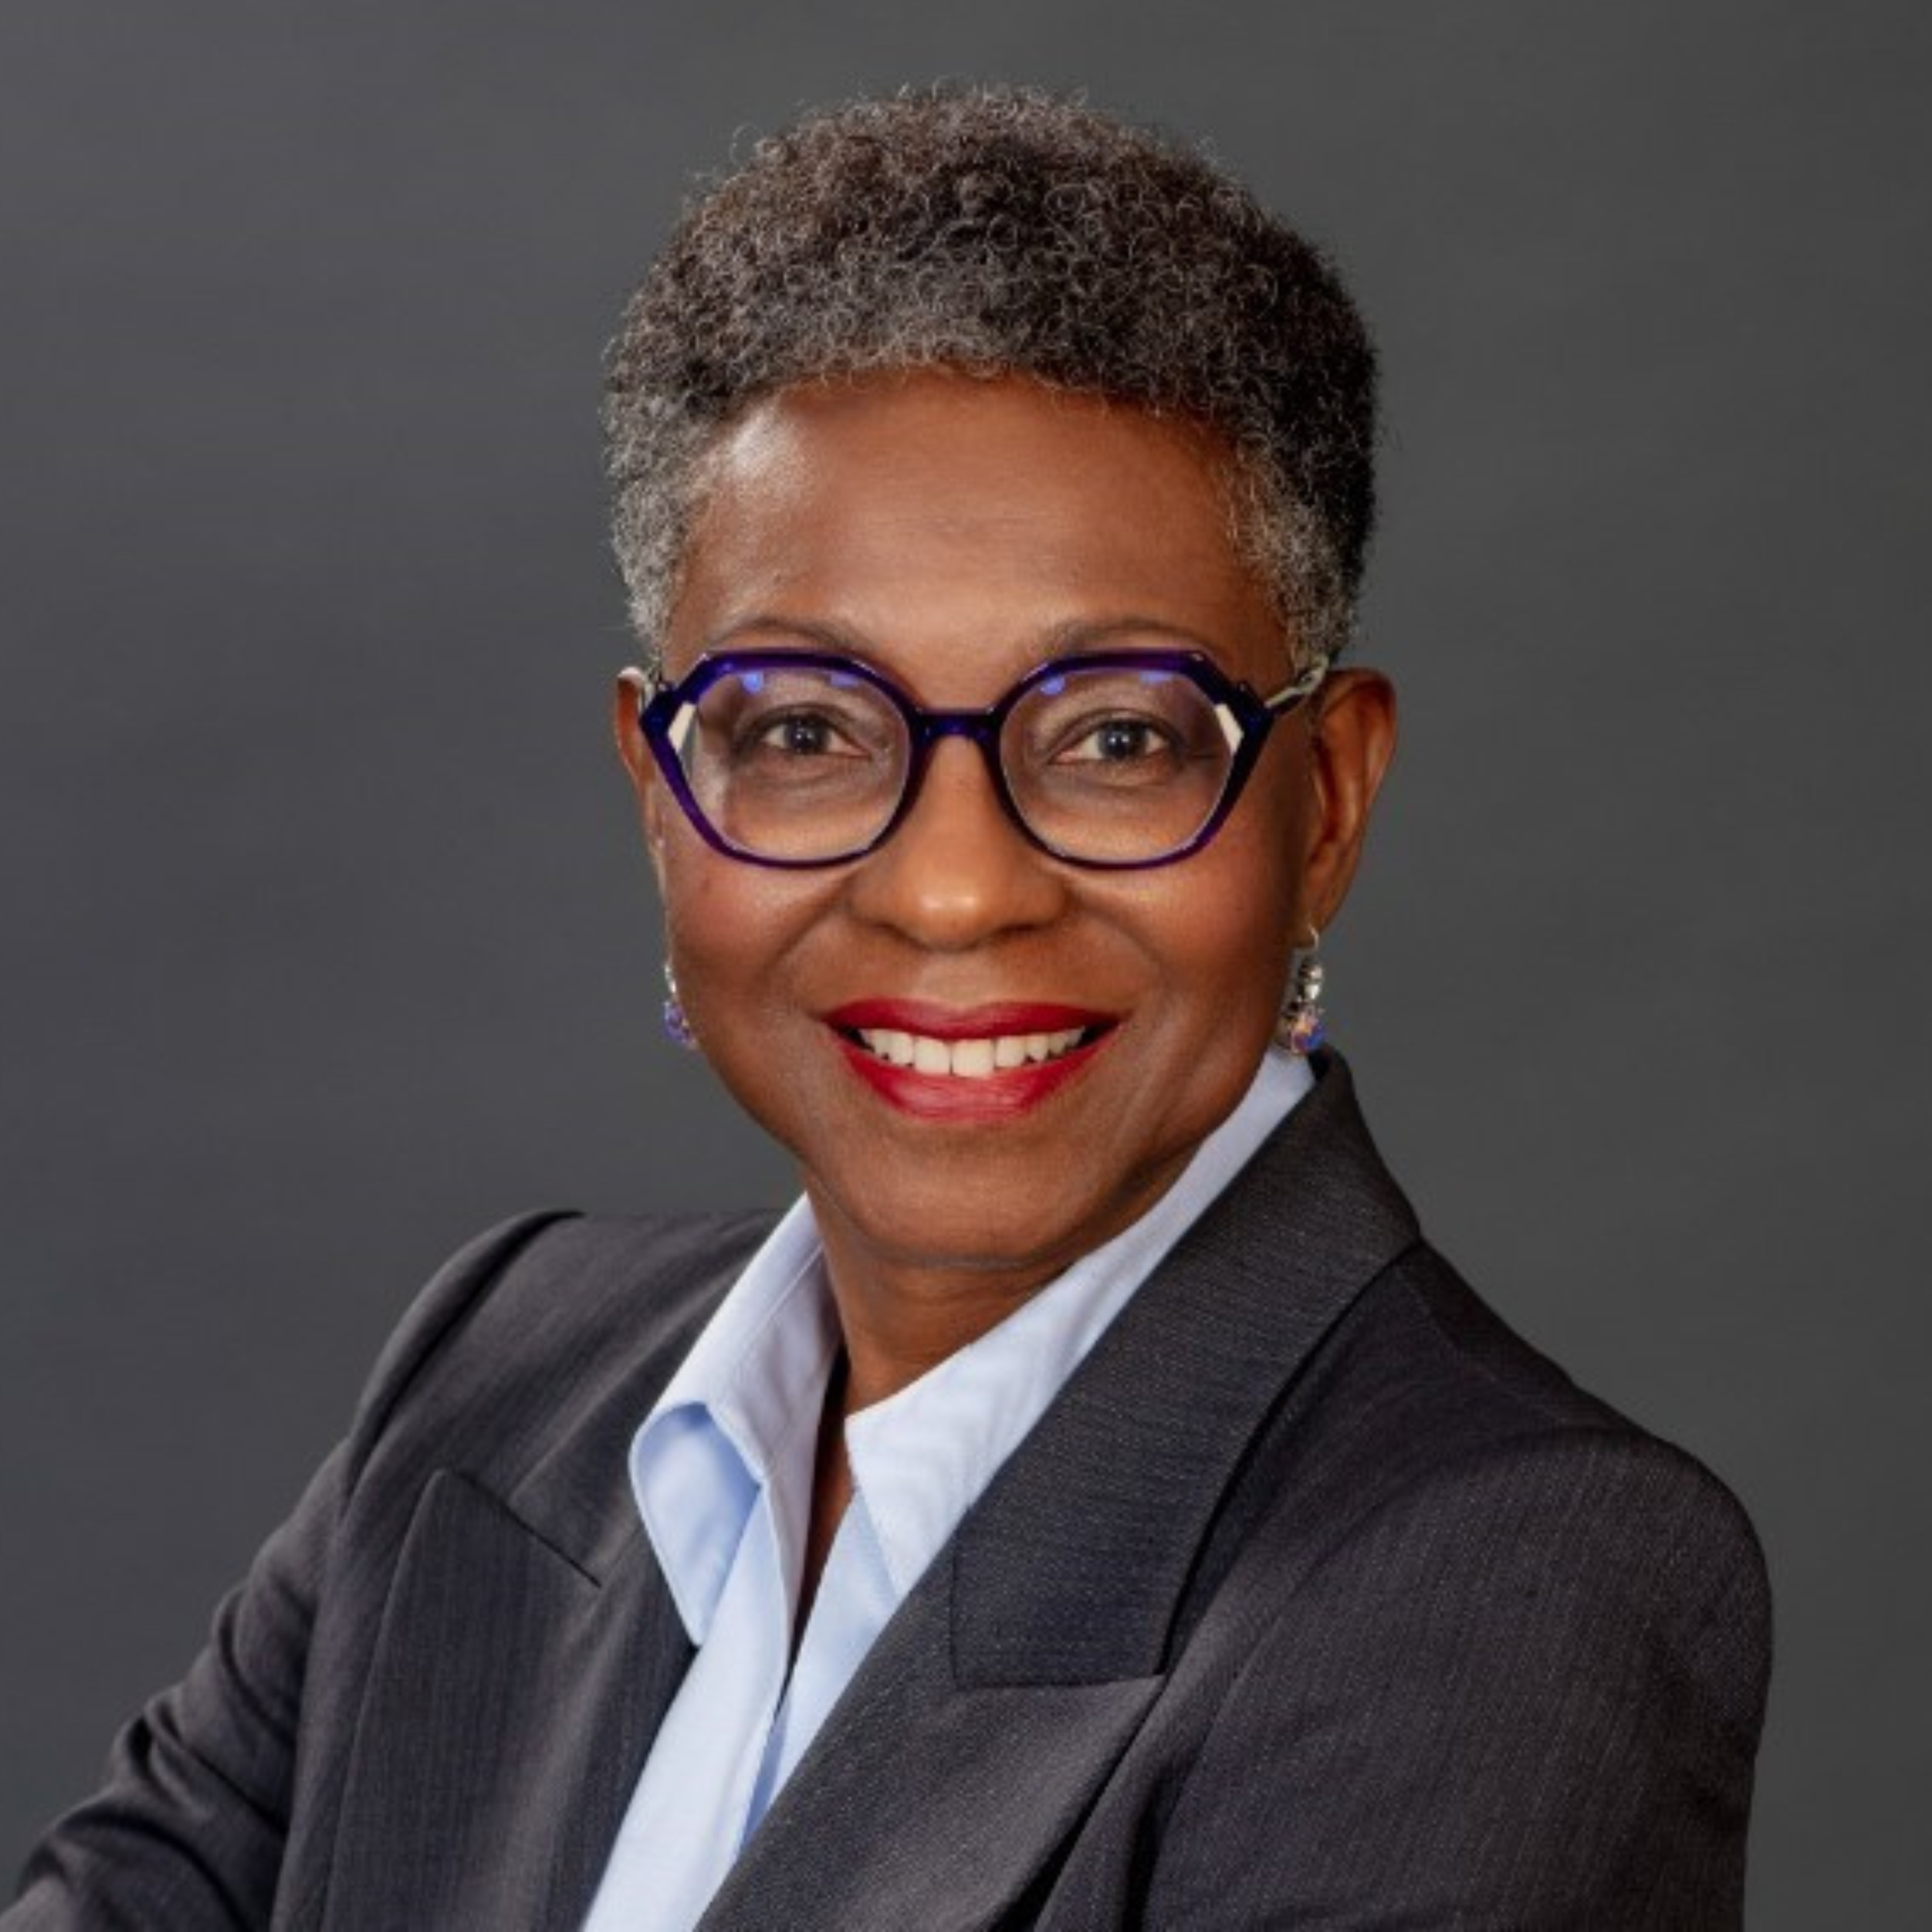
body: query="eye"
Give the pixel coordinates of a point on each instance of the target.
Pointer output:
(801, 723)
(801, 733)
(1122, 739)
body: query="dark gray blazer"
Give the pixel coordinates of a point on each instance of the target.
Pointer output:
(1317, 1598)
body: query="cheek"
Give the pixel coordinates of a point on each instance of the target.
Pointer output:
(1230, 954)
(712, 917)
(1244, 894)
(732, 929)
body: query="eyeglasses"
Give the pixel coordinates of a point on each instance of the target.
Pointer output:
(1117, 760)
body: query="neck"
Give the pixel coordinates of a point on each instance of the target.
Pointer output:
(900, 1314)
(900, 1319)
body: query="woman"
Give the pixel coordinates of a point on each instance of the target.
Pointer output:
(1093, 1504)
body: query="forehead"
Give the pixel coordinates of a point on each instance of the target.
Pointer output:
(953, 529)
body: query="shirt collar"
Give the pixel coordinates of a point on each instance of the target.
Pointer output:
(730, 1422)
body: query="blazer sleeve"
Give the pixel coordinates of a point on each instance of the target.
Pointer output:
(186, 1834)
(1526, 1693)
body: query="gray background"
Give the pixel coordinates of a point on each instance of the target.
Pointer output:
(326, 940)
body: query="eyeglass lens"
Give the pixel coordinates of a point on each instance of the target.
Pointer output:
(1103, 763)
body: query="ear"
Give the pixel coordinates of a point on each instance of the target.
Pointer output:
(1351, 739)
(627, 700)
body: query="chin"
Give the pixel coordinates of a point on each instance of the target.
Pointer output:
(995, 1224)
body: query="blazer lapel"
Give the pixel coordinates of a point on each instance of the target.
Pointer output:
(977, 1732)
(529, 1650)
(924, 1803)
(510, 1702)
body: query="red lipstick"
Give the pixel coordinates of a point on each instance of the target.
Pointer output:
(1002, 1094)
(936, 1022)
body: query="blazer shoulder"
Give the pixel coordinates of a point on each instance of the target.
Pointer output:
(1478, 1376)
(1439, 1421)
(1424, 1408)
(541, 1321)
(438, 1310)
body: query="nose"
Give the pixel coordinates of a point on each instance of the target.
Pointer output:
(957, 872)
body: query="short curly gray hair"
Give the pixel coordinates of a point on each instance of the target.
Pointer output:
(1000, 232)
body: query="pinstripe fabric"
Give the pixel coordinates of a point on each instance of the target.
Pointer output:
(1317, 1598)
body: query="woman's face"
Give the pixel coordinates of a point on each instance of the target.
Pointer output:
(954, 533)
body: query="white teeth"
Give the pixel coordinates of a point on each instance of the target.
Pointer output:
(973, 1059)
(967, 1059)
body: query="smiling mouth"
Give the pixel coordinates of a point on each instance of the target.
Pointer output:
(970, 1059)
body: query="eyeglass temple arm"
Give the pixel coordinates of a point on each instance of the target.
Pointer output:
(1304, 685)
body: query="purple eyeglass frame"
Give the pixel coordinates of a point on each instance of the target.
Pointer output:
(1256, 715)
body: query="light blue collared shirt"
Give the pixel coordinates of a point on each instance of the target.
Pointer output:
(722, 1471)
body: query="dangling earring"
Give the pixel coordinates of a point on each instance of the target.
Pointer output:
(675, 1024)
(1300, 1028)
